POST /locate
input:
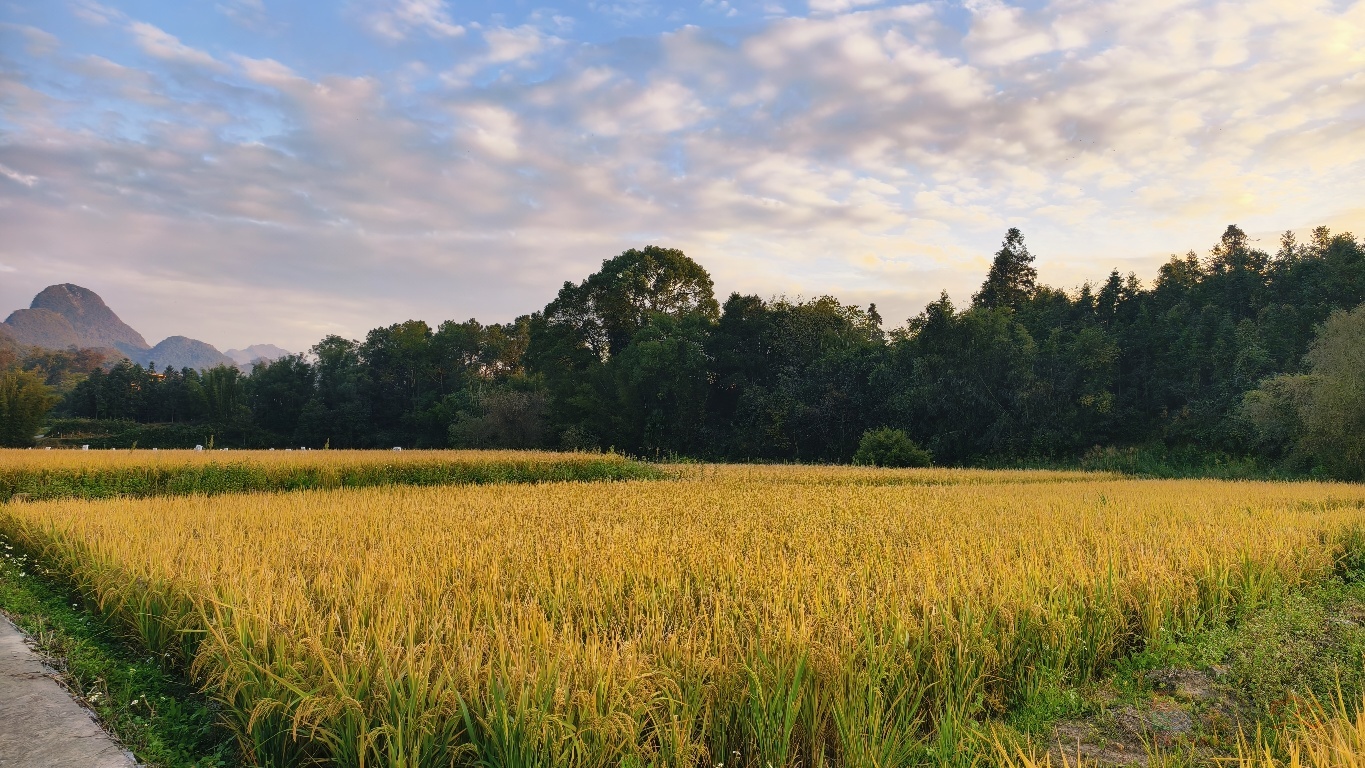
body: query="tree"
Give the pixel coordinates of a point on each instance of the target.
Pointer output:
(501, 418)
(662, 384)
(337, 415)
(588, 324)
(24, 402)
(1012, 278)
(1275, 413)
(603, 313)
(225, 393)
(1317, 418)
(1335, 422)
(278, 391)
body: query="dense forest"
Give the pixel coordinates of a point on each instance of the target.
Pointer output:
(1236, 356)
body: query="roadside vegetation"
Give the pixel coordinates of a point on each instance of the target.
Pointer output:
(144, 702)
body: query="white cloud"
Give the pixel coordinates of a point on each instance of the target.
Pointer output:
(156, 42)
(874, 153)
(826, 7)
(396, 19)
(268, 72)
(517, 48)
(27, 180)
(95, 13)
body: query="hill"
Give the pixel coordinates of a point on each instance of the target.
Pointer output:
(183, 352)
(248, 356)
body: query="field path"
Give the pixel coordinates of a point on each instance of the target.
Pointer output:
(41, 726)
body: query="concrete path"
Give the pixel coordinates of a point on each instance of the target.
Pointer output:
(41, 726)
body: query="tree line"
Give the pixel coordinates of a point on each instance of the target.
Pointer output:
(1238, 355)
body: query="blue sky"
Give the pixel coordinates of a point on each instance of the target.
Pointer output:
(248, 171)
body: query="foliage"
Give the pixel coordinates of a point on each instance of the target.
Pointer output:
(888, 447)
(602, 346)
(1335, 424)
(1318, 418)
(639, 357)
(738, 615)
(1182, 462)
(1012, 278)
(24, 402)
(501, 418)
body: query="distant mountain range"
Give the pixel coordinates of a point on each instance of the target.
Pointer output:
(65, 316)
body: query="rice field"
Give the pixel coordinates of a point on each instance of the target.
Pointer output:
(748, 617)
(30, 474)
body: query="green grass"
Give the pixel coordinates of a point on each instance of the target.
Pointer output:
(175, 479)
(149, 708)
(1294, 647)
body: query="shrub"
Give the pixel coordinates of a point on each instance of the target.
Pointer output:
(887, 447)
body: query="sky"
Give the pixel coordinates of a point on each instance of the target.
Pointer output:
(273, 171)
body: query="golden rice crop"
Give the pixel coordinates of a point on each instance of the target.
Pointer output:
(31, 460)
(740, 616)
(101, 474)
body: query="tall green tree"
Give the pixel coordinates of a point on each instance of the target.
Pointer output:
(24, 402)
(588, 324)
(338, 414)
(277, 393)
(662, 385)
(1012, 278)
(225, 395)
(1335, 423)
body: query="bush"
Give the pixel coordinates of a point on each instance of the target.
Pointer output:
(888, 447)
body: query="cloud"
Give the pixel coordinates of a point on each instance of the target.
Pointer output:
(396, 19)
(37, 42)
(517, 48)
(95, 13)
(876, 153)
(826, 7)
(251, 14)
(156, 42)
(17, 177)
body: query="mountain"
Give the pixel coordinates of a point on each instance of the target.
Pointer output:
(7, 342)
(42, 328)
(267, 352)
(181, 352)
(64, 316)
(94, 322)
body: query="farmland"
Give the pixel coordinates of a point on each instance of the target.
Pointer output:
(102, 474)
(746, 616)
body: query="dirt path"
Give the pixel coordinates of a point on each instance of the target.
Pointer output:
(41, 726)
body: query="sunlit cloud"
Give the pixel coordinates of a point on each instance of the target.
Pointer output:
(396, 19)
(870, 150)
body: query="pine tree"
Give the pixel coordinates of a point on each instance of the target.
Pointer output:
(1012, 278)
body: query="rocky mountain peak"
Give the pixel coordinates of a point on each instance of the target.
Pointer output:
(94, 323)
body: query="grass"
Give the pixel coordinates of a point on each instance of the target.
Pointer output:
(39, 474)
(148, 707)
(1282, 684)
(746, 617)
